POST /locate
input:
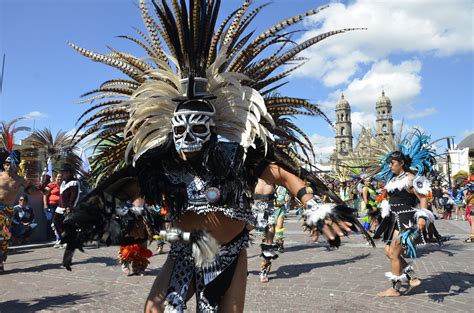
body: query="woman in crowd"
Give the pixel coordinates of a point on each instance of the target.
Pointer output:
(51, 198)
(470, 214)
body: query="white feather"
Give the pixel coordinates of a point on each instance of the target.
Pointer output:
(428, 215)
(392, 277)
(398, 184)
(316, 212)
(422, 185)
(385, 208)
(205, 250)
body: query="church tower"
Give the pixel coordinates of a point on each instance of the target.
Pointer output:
(384, 118)
(343, 127)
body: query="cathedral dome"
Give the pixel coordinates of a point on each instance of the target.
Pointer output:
(383, 100)
(342, 103)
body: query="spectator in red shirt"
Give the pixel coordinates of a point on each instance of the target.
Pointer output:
(51, 197)
(69, 195)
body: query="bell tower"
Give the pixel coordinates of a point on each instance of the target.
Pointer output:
(384, 118)
(343, 127)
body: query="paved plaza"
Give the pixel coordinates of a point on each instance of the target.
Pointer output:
(306, 278)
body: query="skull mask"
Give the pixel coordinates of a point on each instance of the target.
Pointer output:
(192, 121)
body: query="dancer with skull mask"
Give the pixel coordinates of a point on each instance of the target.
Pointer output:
(201, 133)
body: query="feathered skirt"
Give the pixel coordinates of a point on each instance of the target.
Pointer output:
(400, 220)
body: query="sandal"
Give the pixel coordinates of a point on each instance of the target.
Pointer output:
(469, 240)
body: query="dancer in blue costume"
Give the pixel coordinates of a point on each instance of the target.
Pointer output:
(405, 212)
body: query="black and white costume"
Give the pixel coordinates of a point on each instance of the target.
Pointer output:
(210, 92)
(402, 211)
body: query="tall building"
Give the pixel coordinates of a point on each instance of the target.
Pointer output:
(384, 127)
(343, 127)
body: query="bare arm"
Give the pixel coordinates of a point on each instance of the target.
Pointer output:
(46, 193)
(421, 222)
(423, 200)
(365, 192)
(274, 174)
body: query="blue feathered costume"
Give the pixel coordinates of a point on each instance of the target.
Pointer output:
(401, 211)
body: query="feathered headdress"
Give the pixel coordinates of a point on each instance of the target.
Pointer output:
(418, 154)
(7, 133)
(57, 148)
(183, 41)
(365, 160)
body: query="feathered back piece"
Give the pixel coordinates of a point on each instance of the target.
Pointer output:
(419, 155)
(185, 40)
(365, 160)
(58, 148)
(7, 134)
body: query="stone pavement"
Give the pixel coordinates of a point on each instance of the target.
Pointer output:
(306, 278)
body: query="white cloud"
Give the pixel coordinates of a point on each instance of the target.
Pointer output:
(35, 115)
(323, 146)
(467, 132)
(442, 28)
(426, 112)
(401, 83)
(359, 120)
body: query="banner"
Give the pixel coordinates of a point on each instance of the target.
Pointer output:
(459, 160)
(86, 167)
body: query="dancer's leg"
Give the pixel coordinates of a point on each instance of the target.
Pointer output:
(393, 252)
(279, 232)
(270, 234)
(234, 298)
(470, 239)
(156, 299)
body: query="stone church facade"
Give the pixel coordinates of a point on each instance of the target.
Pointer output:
(343, 128)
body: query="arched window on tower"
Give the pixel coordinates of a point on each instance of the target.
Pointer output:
(342, 131)
(343, 146)
(384, 128)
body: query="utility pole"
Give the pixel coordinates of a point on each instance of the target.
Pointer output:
(3, 70)
(448, 162)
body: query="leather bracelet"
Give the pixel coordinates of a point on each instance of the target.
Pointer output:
(304, 191)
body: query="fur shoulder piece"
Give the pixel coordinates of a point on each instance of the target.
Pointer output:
(398, 183)
(422, 185)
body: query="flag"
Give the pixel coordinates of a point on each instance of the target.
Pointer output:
(459, 160)
(49, 167)
(86, 167)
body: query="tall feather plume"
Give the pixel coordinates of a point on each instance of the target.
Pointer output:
(7, 137)
(239, 72)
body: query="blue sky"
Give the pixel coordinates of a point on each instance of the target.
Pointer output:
(420, 52)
